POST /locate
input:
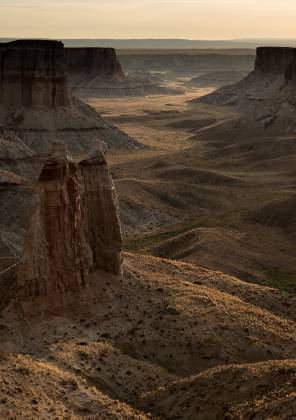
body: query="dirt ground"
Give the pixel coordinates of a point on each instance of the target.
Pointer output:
(159, 342)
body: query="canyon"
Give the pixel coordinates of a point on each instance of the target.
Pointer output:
(138, 271)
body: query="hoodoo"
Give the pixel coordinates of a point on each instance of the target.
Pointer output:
(93, 63)
(65, 239)
(37, 106)
(95, 72)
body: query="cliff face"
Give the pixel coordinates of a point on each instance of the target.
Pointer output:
(275, 69)
(100, 213)
(101, 63)
(73, 230)
(37, 107)
(97, 72)
(55, 257)
(290, 73)
(33, 74)
(274, 59)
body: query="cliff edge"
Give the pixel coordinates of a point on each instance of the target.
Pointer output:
(37, 106)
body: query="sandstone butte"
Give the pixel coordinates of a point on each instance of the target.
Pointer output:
(267, 96)
(97, 72)
(37, 106)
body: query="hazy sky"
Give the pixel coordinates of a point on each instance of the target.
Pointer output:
(195, 19)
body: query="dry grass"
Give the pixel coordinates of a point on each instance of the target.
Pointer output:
(162, 322)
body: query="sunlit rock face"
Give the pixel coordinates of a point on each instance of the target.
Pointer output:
(73, 229)
(55, 257)
(33, 74)
(100, 213)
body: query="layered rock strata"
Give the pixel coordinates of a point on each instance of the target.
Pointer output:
(274, 68)
(33, 74)
(267, 96)
(37, 107)
(99, 210)
(101, 64)
(97, 72)
(73, 229)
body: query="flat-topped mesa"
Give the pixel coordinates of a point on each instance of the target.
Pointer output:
(33, 74)
(277, 61)
(99, 63)
(74, 228)
(37, 106)
(275, 70)
(274, 59)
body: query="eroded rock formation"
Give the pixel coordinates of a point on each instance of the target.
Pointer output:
(97, 72)
(99, 209)
(33, 74)
(37, 107)
(274, 59)
(74, 227)
(267, 96)
(93, 63)
(274, 68)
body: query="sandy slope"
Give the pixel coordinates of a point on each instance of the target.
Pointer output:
(162, 322)
(259, 390)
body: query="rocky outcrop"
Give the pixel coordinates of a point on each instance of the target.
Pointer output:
(275, 68)
(73, 230)
(274, 59)
(93, 63)
(33, 74)
(99, 209)
(37, 107)
(55, 257)
(267, 96)
(97, 72)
